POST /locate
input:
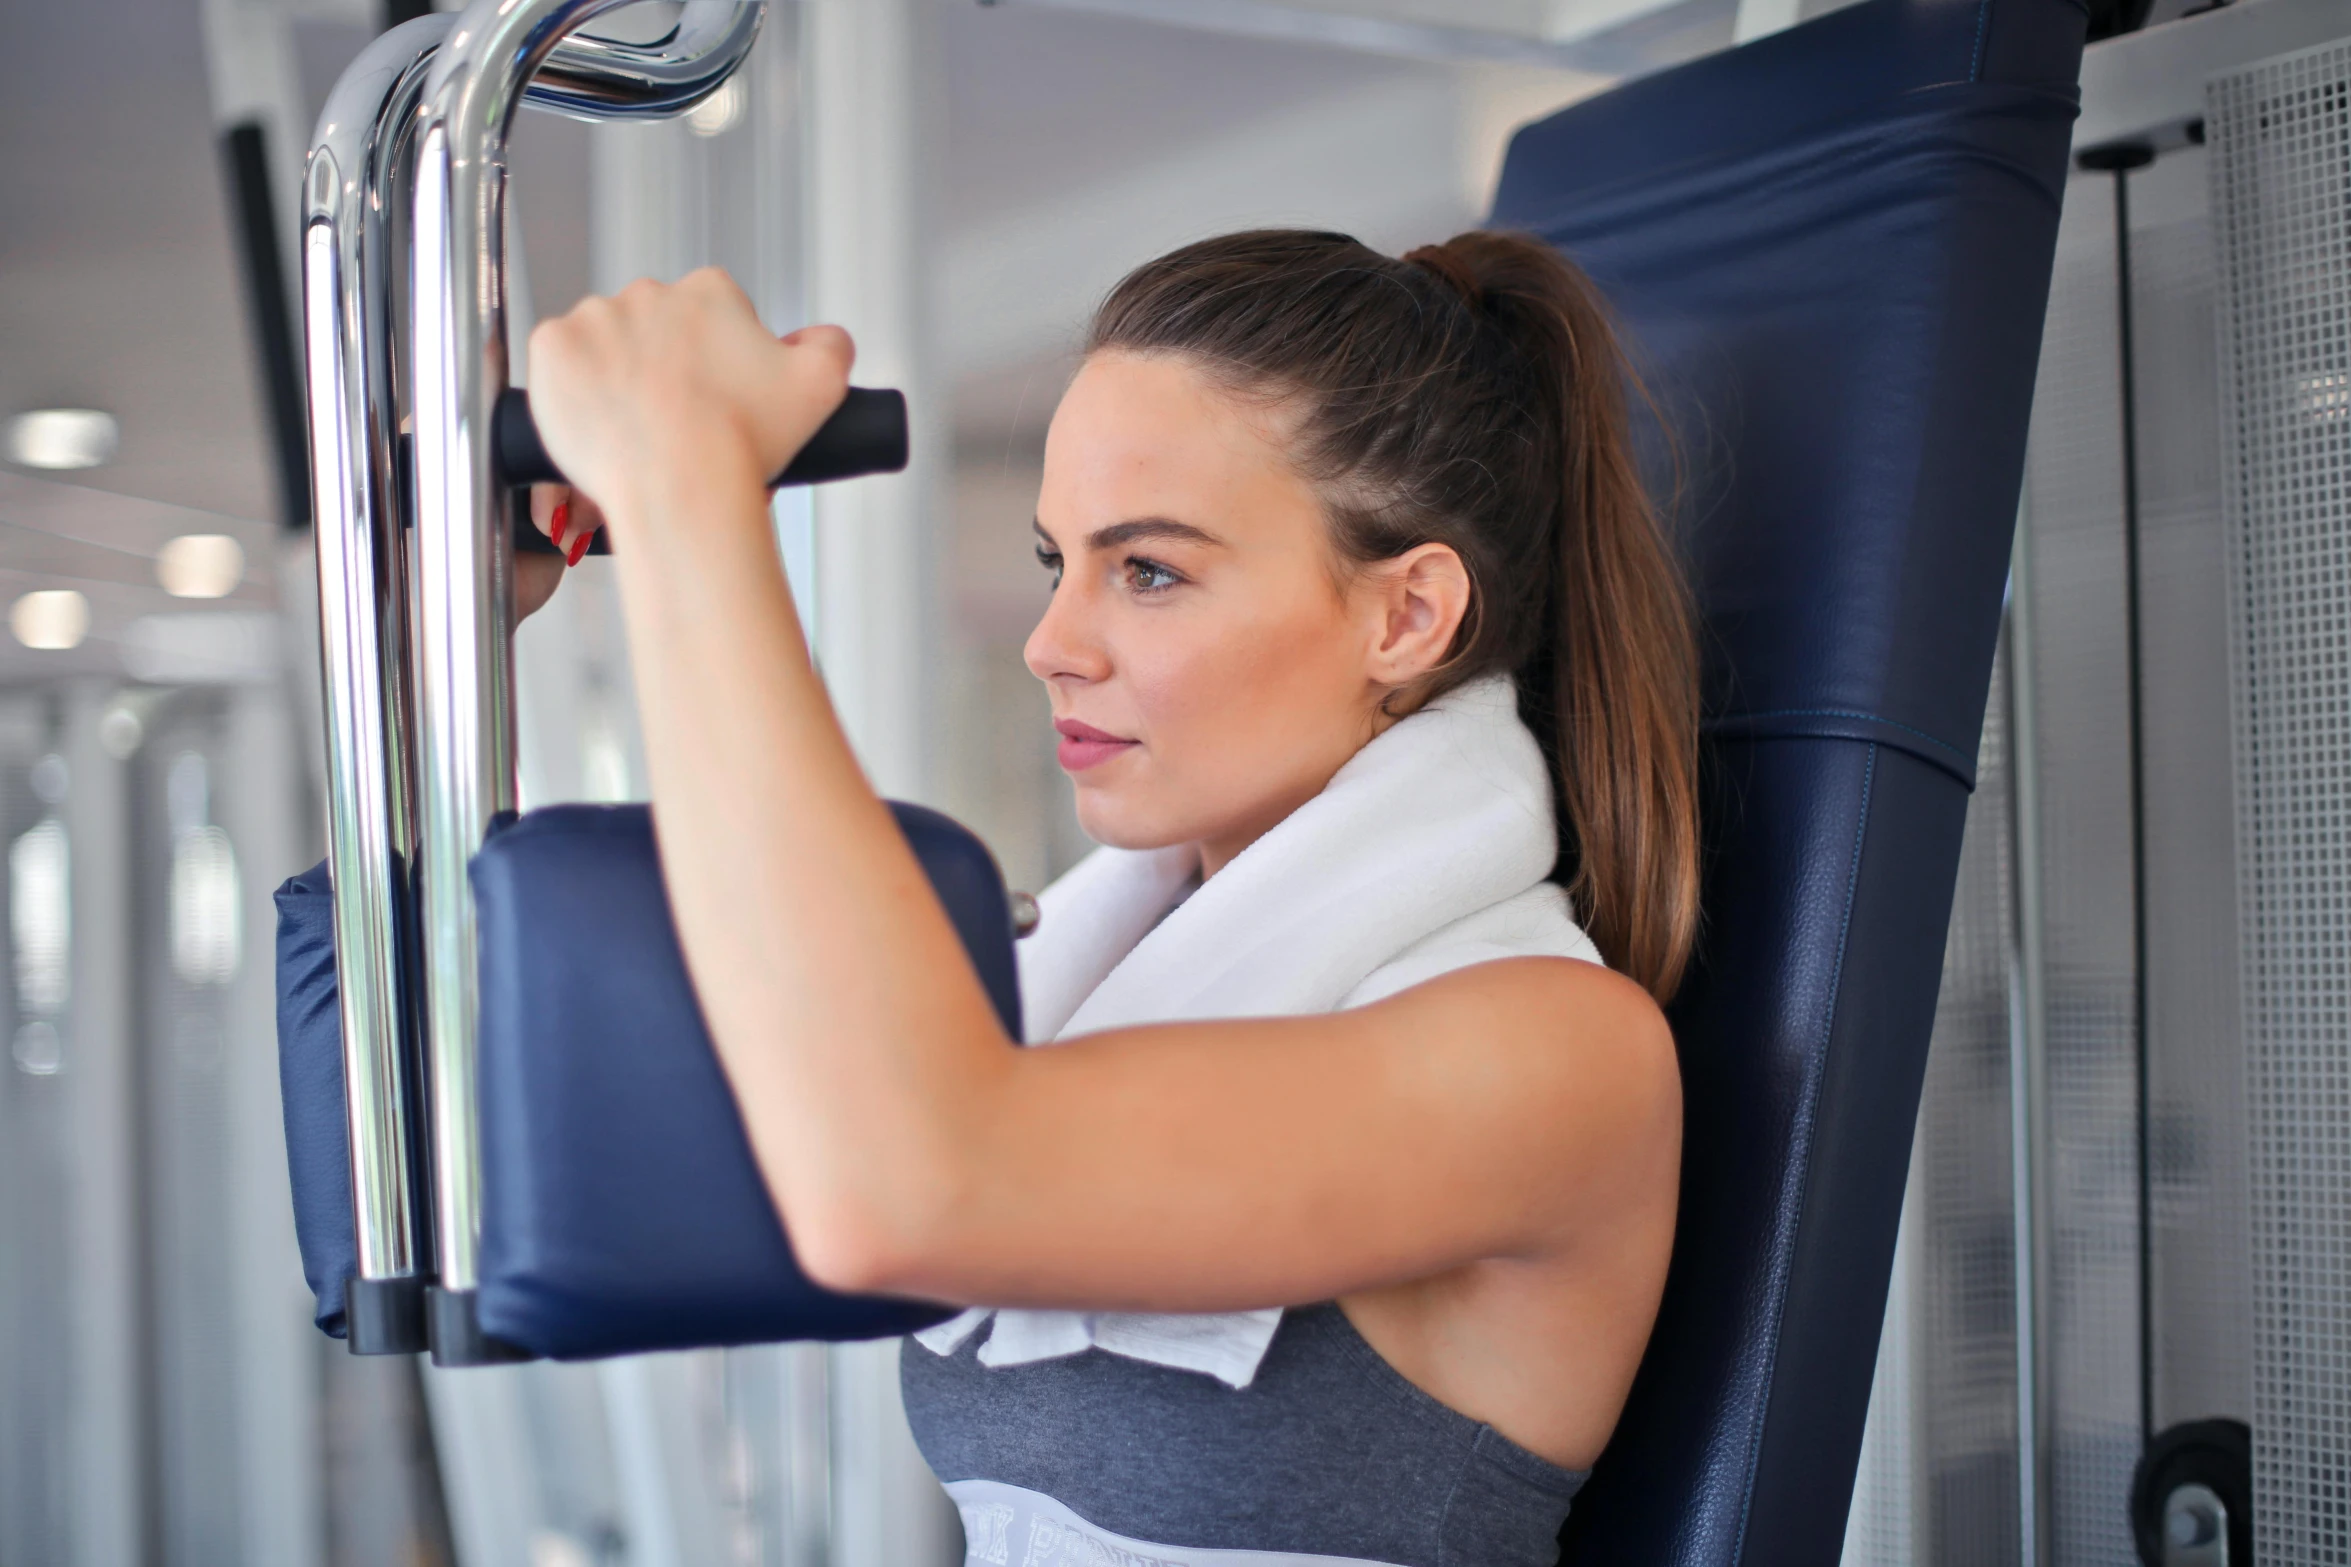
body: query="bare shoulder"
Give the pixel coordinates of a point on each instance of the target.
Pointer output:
(1557, 1012)
(1579, 1049)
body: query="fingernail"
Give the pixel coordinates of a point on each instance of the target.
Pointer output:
(560, 521)
(580, 548)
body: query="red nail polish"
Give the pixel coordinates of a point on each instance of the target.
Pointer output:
(579, 548)
(557, 523)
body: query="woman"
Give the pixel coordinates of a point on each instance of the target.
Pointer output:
(1322, 526)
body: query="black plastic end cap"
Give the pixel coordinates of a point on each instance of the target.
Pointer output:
(385, 1316)
(866, 434)
(456, 1332)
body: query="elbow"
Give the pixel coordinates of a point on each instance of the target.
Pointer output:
(851, 1253)
(892, 1207)
(885, 1238)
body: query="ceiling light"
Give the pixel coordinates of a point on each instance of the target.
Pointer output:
(38, 1050)
(51, 618)
(62, 438)
(718, 113)
(200, 566)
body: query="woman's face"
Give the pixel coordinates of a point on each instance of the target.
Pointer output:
(1210, 667)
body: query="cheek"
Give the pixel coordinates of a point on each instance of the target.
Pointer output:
(1254, 693)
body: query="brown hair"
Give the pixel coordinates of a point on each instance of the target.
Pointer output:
(1473, 394)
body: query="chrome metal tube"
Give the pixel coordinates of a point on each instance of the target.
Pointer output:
(356, 197)
(362, 639)
(464, 661)
(596, 79)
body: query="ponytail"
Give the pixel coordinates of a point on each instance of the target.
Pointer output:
(1474, 394)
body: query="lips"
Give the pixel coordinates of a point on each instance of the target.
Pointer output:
(1083, 746)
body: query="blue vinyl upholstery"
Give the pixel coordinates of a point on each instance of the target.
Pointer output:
(622, 1210)
(621, 1207)
(310, 1091)
(1831, 253)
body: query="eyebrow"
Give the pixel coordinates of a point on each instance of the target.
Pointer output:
(1119, 533)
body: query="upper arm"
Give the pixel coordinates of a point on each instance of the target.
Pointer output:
(1491, 1112)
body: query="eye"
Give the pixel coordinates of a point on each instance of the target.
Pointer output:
(1051, 561)
(1149, 576)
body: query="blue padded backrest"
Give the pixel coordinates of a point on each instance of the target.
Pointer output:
(1830, 250)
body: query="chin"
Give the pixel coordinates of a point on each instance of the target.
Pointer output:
(1125, 824)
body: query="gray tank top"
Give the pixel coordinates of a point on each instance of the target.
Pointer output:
(1329, 1455)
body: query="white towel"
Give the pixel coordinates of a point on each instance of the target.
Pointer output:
(1425, 853)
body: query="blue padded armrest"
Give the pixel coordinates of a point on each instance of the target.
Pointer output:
(310, 1091)
(622, 1210)
(1831, 253)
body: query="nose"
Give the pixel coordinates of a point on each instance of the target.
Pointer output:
(1065, 644)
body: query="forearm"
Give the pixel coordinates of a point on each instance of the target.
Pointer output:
(850, 1026)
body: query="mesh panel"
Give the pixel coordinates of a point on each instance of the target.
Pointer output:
(2081, 683)
(2279, 134)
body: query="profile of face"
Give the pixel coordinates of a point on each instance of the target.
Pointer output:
(1211, 659)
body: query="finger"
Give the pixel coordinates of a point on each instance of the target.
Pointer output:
(546, 501)
(813, 370)
(586, 517)
(831, 341)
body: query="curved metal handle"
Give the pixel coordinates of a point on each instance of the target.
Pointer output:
(594, 78)
(357, 197)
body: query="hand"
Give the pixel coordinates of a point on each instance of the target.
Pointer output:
(570, 520)
(662, 381)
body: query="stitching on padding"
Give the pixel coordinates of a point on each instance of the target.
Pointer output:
(1838, 712)
(1983, 15)
(1804, 1150)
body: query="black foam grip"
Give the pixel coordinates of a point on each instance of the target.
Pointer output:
(866, 434)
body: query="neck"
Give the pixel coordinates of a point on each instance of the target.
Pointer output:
(1216, 855)
(1219, 851)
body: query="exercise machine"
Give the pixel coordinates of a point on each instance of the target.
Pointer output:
(388, 971)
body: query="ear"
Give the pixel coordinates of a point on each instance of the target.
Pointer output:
(1420, 598)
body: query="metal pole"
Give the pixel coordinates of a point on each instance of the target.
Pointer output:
(110, 1462)
(870, 96)
(2028, 1067)
(869, 74)
(464, 656)
(362, 620)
